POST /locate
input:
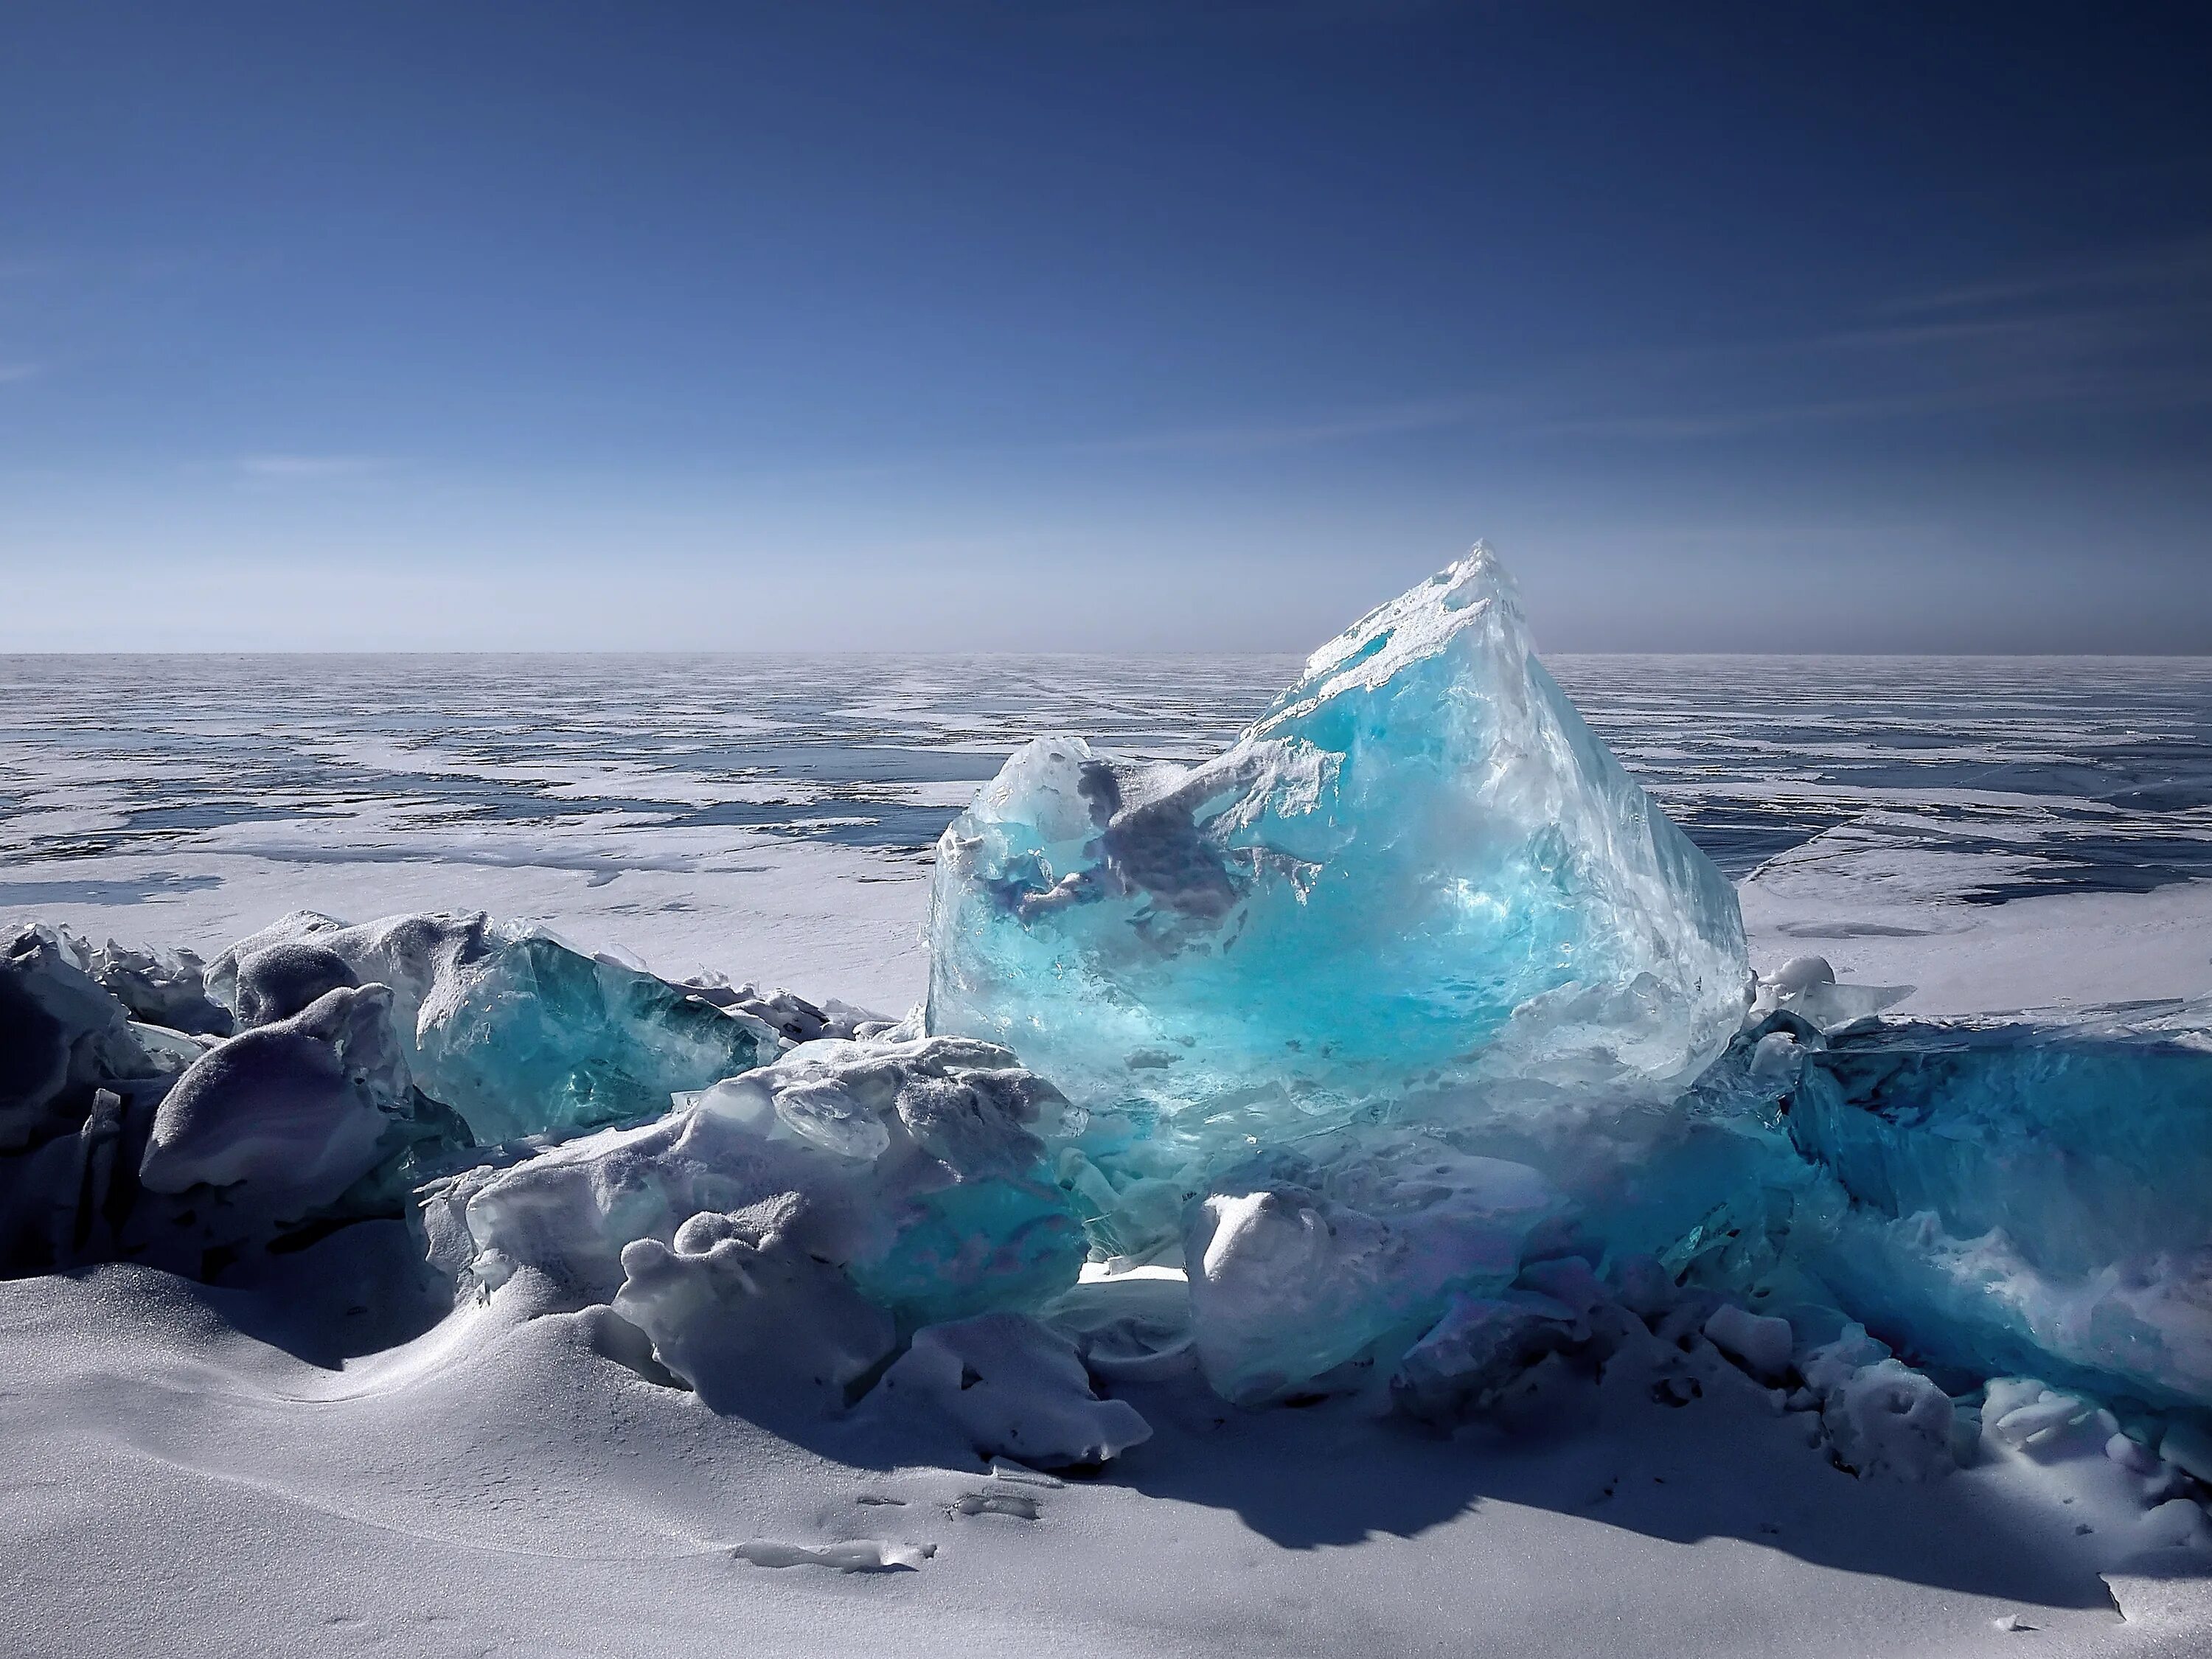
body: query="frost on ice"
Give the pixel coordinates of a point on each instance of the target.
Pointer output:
(1419, 867)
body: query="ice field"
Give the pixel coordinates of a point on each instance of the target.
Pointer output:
(1361, 1167)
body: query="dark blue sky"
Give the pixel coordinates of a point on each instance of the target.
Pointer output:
(1068, 325)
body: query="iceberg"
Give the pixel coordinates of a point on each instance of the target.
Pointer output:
(1418, 869)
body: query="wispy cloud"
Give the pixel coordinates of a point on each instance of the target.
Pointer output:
(2181, 268)
(12, 373)
(2127, 335)
(311, 466)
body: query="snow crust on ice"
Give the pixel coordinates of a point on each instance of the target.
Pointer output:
(1012, 1388)
(295, 1110)
(911, 1166)
(737, 1306)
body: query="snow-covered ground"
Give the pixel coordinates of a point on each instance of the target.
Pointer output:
(175, 1486)
(186, 1471)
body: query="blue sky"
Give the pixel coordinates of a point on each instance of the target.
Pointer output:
(1101, 326)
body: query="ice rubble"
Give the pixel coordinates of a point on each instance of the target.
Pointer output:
(1011, 1387)
(911, 1167)
(512, 1029)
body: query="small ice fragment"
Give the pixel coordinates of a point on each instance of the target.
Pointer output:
(2053, 1410)
(1776, 1061)
(1017, 1505)
(1004, 1469)
(1887, 1419)
(853, 1555)
(2189, 1449)
(1759, 1344)
(2131, 1455)
(2175, 1524)
(1807, 987)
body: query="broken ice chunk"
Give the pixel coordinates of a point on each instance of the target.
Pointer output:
(512, 1029)
(63, 1038)
(754, 1321)
(294, 1112)
(1291, 1278)
(1010, 1387)
(1418, 867)
(1807, 987)
(2026, 1196)
(949, 1213)
(1886, 1419)
(164, 988)
(1760, 1344)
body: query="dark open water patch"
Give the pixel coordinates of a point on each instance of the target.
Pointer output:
(160, 883)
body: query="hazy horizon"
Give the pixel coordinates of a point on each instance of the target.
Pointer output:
(1078, 325)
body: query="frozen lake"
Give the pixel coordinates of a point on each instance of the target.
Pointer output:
(772, 815)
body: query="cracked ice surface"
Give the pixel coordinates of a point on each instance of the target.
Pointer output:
(1420, 867)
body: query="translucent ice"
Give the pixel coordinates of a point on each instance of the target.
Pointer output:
(2018, 1197)
(512, 1029)
(1418, 867)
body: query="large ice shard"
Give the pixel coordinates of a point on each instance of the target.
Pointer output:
(1417, 868)
(2020, 1197)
